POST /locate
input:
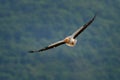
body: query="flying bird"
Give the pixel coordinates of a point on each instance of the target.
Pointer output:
(69, 41)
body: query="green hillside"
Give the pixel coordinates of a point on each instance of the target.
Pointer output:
(33, 24)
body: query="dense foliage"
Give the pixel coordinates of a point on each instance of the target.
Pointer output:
(32, 24)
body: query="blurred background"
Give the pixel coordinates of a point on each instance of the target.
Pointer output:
(33, 24)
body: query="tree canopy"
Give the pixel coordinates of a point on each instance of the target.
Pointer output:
(33, 24)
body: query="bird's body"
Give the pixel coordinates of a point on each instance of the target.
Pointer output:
(69, 41)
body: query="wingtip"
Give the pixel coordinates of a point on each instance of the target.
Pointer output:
(95, 15)
(30, 51)
(35, 51)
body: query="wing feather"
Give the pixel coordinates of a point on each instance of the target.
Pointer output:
(50, 46)
(75, 34)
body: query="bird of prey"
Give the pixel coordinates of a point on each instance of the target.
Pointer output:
(69, 41)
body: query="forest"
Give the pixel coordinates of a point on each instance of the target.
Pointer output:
(33, 24)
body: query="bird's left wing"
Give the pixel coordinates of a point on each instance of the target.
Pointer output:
(76, 33)
(49, 47)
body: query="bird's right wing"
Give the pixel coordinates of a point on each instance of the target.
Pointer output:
(49, 47)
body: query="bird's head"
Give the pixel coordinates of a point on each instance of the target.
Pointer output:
(67, 40)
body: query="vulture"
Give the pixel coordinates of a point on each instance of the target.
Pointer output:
(69, 41)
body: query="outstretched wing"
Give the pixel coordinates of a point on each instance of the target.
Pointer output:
(50, 46)
(75, 34)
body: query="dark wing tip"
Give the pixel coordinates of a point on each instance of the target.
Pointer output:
(95, 15)
(87, 24)
(38, 50)
(31, 51)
